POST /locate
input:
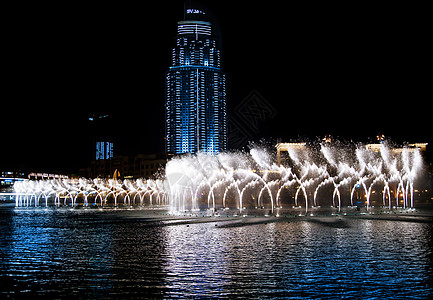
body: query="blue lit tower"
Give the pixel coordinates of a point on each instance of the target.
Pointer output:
(196, 111)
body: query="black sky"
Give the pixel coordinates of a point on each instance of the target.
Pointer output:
(351, 71)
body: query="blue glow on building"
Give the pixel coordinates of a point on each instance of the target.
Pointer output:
(104, 150)
(196, 113)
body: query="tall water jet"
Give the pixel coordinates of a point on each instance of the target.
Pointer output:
(335, 175)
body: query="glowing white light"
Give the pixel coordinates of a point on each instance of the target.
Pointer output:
(247, 180)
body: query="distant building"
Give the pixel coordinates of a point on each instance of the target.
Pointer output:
(104, 150)
(284, 147)
(128, 166)
(8, 178)
(196, 113)
(46, 176)
(101, 126)
(411, 147)
(375, 147)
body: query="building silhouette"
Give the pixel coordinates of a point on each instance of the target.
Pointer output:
(196, 113)
(126, 167)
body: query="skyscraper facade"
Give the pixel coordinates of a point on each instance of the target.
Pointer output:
(196, 113)
(102, 139)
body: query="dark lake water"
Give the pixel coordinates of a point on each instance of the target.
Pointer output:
(58, 253)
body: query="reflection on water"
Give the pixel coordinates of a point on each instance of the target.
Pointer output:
(99, 254)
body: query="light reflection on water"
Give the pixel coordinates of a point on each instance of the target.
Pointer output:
(99, 254)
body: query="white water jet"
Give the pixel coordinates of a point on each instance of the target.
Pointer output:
(246, 180)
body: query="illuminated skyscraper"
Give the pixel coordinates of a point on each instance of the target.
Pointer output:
(104, 150)
(196, 111)
(102, 141)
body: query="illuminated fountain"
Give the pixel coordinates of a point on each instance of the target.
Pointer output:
(309, 177)
(101, 192)
(253, 180)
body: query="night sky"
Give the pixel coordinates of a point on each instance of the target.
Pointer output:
(351, 71)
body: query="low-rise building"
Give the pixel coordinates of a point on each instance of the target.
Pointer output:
(126, 166)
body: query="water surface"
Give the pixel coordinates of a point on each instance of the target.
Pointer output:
(123, 253)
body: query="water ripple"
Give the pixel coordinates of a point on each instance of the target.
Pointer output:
(105, 254)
